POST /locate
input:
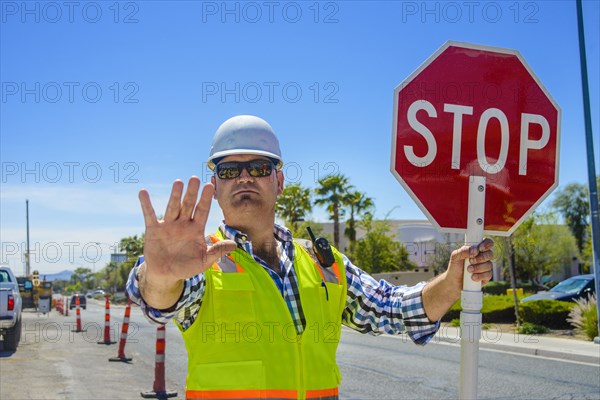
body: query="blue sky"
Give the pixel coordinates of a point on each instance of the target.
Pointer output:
(100, 99)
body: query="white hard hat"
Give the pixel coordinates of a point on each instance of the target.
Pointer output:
(244, 134)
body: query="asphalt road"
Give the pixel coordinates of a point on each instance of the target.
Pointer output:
(53, 362)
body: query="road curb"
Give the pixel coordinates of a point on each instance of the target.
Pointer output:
(532, 351)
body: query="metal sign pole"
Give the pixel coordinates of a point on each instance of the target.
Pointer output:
(589, 144)
(471, 297)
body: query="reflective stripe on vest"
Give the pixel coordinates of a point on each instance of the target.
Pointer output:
(322, 394)
(331, 274)
(225, 263)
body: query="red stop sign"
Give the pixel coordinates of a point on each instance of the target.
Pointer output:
(473, 110)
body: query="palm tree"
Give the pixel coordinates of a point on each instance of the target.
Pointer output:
(132, 245)
(332, 192)
(359, 203)
(293, 204)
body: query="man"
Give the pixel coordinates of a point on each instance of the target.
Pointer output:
(259, 313)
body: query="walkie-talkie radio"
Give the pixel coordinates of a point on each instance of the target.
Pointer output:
(322, 249)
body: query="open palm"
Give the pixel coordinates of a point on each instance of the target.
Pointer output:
(175, 247)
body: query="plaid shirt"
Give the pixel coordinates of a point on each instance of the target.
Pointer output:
(371, 306)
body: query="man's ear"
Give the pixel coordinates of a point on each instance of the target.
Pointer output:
(214, 182)
(280, 181)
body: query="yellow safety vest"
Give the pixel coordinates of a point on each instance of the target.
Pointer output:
(243, 343)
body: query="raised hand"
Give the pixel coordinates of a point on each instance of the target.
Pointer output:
(175, 248)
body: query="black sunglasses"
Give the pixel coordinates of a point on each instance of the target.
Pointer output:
(255, 168)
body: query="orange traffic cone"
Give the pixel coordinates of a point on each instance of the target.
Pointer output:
(107, 323)
(77, 314)
(121, 355)
(159, 391)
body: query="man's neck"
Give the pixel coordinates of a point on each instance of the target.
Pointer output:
(260, 233)
(264, 243)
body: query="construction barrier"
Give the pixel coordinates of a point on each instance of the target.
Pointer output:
(159, 391)
(77, 314)
(106, 323)
(121, 354)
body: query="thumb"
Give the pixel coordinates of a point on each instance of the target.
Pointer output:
(219, 249)
(458, 257)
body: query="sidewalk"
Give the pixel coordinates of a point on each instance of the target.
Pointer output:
(535, 345)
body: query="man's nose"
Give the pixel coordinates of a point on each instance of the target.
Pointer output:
(245, 176)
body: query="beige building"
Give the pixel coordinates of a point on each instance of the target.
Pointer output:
(420, 237)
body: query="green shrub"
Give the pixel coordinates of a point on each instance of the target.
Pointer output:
(549, 313)
(496, 309)
(584, 317)
(496, 288)
(528, 328)
(455, 322)
(500, 287)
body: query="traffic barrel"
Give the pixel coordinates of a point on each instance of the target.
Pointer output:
(77, 314)
(58, 305)
(121, 355)
(159, 391)
(106, 323)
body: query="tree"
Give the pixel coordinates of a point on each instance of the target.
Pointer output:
(359, 203)
(542, 246)
(299, 231)
(132, 245)
(377, 251)
(332, 192)
(587, 252)
(573, 204)
(82, 278)
(293, 205)
(441, 257)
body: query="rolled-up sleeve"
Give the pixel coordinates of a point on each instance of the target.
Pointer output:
(380, 307)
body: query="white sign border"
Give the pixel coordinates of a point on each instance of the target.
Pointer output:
(413, 75)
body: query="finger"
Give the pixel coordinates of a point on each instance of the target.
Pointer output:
(480, 268)
(486, 244)
(147, 209)
(485, 276)
(220, 249)
(174, 204)
(189, 200)
(203, 206)
(482, 257)
(460, 254)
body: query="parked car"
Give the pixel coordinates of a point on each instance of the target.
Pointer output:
(570, 289)
(10, 309)
(82, 302)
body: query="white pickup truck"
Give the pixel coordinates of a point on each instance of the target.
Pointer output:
(10, 309)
